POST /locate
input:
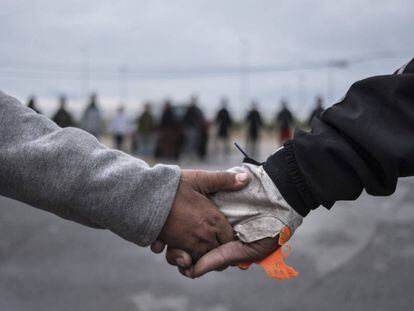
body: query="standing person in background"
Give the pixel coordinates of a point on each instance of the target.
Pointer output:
(195, 129)
(169, 142)
(224, 122)
(284, 122)
(203, 138)
(316, 112)
(32, 104)
(62, 117)
(91, 120)
(119, 128)
(254, 125)
(145, 131)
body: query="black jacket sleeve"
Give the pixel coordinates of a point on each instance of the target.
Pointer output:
(366, 141)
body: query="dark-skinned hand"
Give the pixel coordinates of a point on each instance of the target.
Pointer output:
(194, 224)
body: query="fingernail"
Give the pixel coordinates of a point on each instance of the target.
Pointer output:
(188, 273)
(180, 262)
(242, 177)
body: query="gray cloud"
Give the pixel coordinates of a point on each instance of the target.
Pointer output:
(45, 45)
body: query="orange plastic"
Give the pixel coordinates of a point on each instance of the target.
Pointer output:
(274, 265)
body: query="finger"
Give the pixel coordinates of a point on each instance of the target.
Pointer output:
(202, 248)
(225, 231)
(210, 182)
(220, 257)
(222, 268)
(182, 271)
(177, 257)
(222, 230)
(187, 272)
(157, 247)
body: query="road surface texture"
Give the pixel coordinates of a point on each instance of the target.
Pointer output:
(358, 256)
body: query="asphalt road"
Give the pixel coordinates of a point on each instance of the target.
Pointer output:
(359, 256)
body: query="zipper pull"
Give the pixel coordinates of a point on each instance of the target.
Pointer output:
(247, 158)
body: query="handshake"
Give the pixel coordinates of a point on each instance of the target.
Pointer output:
(232, 218)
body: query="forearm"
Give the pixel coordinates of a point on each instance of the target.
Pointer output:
(69, 173)
(363, 142)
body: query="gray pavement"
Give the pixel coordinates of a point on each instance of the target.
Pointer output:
(358, 256)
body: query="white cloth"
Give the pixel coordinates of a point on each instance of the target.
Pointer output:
(120, 124)
(259, 210)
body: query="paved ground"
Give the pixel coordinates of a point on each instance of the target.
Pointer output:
(356, 257)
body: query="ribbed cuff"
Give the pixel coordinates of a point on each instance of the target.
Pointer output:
(165, 197)
(282, 168)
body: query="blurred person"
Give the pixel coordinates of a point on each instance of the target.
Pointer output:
(62, 117)
(254, 125)
(169, 142)
(284, 121)
(91, 120)
(33, 105)
(316, 112)
(119, 128)
(224, 122)
(66, 171)
(195, 130)
(204, 137)
(145, 131)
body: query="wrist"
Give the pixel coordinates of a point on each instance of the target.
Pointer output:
(283, 170)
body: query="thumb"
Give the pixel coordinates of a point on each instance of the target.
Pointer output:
(219, 258)
(210, 182)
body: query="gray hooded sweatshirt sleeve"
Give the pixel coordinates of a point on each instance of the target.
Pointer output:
(69, 173)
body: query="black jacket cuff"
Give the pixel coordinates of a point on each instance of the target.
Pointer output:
(283, 169)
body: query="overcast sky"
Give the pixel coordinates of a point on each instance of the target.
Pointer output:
(132, 51)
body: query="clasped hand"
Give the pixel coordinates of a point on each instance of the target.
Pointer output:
(199, 238)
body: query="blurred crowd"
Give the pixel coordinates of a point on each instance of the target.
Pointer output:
(181, 131)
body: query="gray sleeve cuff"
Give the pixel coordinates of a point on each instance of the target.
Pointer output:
(160, 203)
